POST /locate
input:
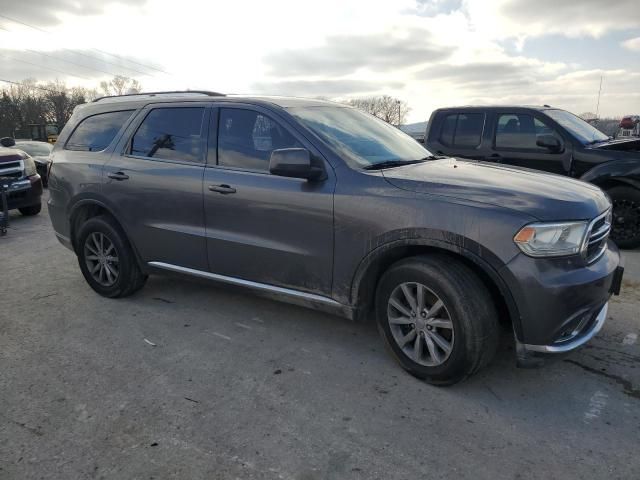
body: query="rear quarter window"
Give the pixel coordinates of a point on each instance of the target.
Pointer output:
(96, 132)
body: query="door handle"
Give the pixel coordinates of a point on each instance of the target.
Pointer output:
(118, 176)
(224, 189)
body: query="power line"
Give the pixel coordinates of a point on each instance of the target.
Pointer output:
(48, 68)
(95, 49)
(49, 55)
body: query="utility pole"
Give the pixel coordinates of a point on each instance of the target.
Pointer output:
(398, 112)
(599, 92)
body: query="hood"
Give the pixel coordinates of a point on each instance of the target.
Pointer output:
(619, 144)
(544, 196)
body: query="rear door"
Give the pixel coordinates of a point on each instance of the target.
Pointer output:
(154, 181)
(514, 142)
(261, 227)
(458, 134)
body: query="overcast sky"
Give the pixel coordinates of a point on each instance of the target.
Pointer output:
(430, 53)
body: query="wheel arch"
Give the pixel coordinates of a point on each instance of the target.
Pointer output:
(85, 209)
(379, 260)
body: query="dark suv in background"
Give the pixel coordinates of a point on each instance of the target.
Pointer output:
(323, 205)
(549, 139)
(20, 180)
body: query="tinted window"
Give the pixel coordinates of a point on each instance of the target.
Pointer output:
(95, 133)
(448, 129)
(462, 130)
(521, 131)
(246, 139)
(171, 134)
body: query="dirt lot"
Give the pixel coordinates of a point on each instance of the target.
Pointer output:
(242, 387)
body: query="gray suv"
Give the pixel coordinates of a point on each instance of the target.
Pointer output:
(322, 205)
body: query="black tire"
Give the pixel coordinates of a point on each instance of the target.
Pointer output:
(129, 277)
(626, 216)
(467, 304)
(31, 210)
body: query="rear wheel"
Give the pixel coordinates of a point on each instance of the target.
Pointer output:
(437, 318)
(106, 259)
(626, 216)
(31, 210)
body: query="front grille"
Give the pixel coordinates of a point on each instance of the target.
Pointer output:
(13, 169)
(597, 237)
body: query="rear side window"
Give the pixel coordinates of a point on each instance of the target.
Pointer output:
(246, 139)
(96, 132)
(463, 130)
(173, 133)
(521, 131)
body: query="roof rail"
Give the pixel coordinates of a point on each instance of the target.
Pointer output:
(169, 92)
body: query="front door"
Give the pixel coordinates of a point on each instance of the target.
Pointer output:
(155, 184)
(261, 227)
(515, 143)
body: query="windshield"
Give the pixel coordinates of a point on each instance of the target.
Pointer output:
(584, 132)
(35, 149)
(361, 139)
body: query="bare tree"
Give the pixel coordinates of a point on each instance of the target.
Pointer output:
(61, 101)
(391, 110)
(120, 85)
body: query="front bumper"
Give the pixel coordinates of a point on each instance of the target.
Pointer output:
(24, 193)
(562, 302)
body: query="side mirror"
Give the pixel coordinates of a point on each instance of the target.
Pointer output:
(295, 163)
(7, 142)
(549, 142)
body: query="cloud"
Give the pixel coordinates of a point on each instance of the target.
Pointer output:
(632, 44)
(42, 13)
(329, 88)
(345, 54)
(523, 18)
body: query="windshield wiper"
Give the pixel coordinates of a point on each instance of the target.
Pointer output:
(393, 163)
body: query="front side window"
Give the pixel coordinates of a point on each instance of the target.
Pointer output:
(584, 132)
(521, 131)
(246, 139)
(462, 130)
(172, 133)
(96, 132)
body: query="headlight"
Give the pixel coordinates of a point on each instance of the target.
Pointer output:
(29, 166)
(551, 239)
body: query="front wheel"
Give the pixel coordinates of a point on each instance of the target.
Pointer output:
(437, 318)
(31, 210)
(625, 230)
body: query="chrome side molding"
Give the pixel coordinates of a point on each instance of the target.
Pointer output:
(304, 296)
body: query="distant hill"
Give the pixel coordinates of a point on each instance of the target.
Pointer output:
(415, 130)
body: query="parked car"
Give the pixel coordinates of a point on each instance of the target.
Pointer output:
(326, 206)
(549, 139)
(40, 152)
(23, 185)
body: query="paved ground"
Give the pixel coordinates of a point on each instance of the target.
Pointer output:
(242, 387)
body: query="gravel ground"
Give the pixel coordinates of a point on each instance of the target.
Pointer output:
(236, 386)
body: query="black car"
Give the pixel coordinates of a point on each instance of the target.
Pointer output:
(40, 152)
(21, 182)
(323, 205)
(549, 139)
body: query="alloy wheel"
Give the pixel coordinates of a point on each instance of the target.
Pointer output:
(102, 259)
(420, 324)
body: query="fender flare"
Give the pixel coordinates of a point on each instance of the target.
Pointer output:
(84, 201)
(480, 257)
